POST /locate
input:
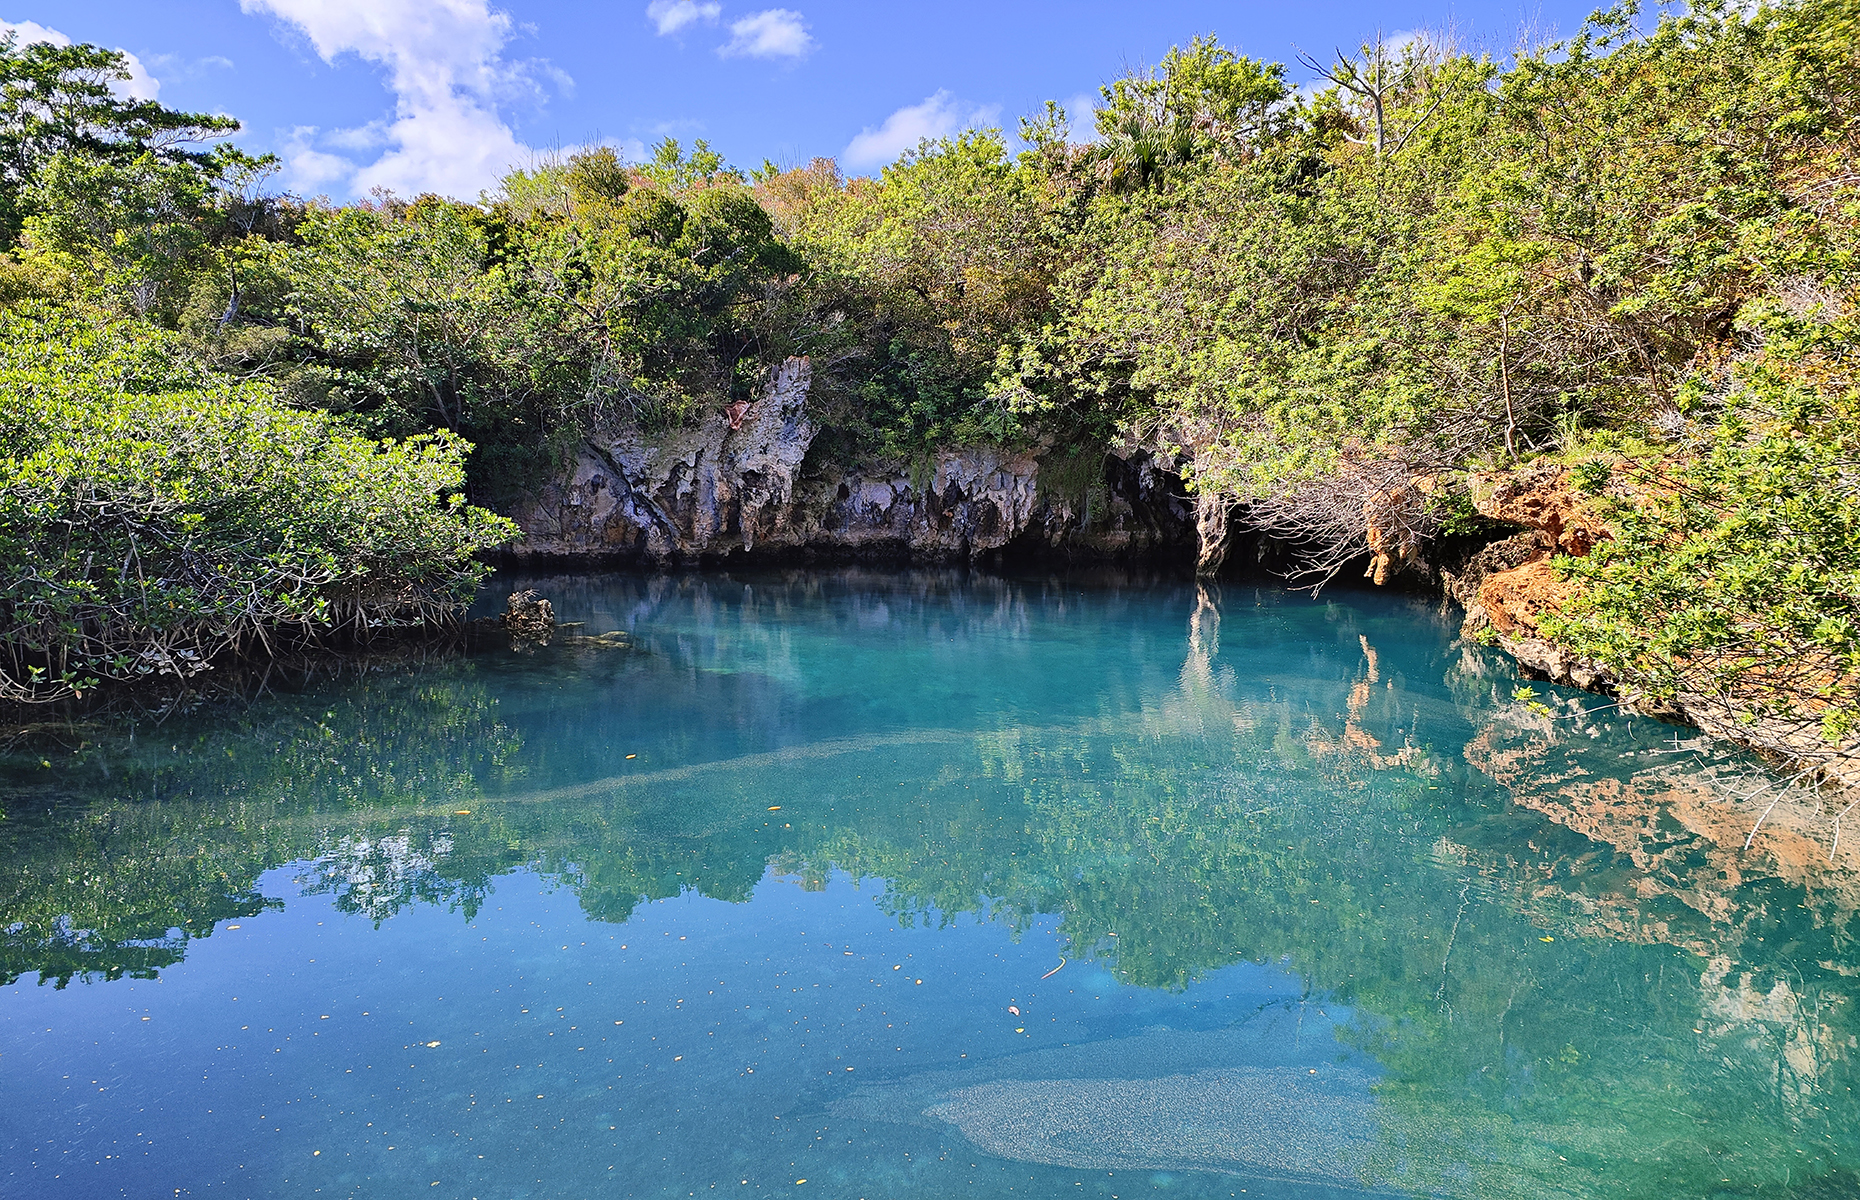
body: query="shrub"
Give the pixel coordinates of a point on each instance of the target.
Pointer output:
(1734, 572)
(155, 515)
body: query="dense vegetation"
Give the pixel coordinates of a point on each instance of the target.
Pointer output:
(158, 514)
(1633, 250)
(156, 510)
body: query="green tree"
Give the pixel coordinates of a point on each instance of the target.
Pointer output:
(63, 100)
(406, 317)
(1198, 105)
(672, 170)
(136, 232)
(1732, 578)
(665, 302)
(931, 266)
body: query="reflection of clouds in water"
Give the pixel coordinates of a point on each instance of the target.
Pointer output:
(376, 877)
(1282, 1121)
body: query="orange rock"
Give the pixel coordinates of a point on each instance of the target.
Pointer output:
(1541, 497)
(1515, 600)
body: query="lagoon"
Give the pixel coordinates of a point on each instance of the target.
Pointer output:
(860, 884)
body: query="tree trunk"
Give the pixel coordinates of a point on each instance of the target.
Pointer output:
(1211, 510)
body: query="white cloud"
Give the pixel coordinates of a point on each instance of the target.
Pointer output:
(359, 139)
(27, 32)
(174, 66)
(672, 15)
(1081, 116)
(938, 116)
(308, 169)
(446, 67)
(676, 127)
(139, 86)
(772, 33)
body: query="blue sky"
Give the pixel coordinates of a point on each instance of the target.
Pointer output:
(445, 94)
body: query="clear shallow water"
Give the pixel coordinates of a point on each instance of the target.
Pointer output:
(755, 901)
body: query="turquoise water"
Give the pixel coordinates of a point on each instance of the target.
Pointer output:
(918, 885)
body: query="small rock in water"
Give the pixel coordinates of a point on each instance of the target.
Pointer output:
(530, 619)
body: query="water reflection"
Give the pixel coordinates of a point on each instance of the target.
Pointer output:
(1528, 928)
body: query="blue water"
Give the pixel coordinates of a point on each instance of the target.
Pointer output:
(860, 885)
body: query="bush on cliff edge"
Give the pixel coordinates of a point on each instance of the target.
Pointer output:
(1734, 569)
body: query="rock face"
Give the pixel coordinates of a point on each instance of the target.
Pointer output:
(1540, 497)
(630, 496)
(741, 487)
(1510, 585)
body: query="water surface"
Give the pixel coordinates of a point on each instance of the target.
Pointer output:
(919, 885)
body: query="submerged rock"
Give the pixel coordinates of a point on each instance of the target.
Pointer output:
(1162, 1100)
(1226, 1101)
(1278, 1121)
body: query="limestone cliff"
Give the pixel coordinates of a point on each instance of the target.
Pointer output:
(741, 486)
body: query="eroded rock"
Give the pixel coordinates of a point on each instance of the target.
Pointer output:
(1511, 586)
(741, 485)
(529, 619)
(1541, 497)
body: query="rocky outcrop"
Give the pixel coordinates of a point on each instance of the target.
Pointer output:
(742, 486)
(1510, 586)
(1541, 497)
(528, 615)
(630, 495)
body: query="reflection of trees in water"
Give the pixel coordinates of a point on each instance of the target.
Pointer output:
(1665, 861)
(157, 832)
(1686, 1022)
(1709, 1023)
(1211, 827)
